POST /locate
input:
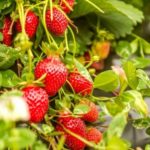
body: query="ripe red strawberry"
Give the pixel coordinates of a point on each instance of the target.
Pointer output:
(93, 113)
(7, 36)
(56, 74)
(31, 24)
(75, 125)
(94, 135)
(59, 23)
(80, 84)
(65, 7)
(37, 100)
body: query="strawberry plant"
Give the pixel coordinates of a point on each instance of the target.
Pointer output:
(68, 65)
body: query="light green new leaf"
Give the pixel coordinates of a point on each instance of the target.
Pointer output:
(124, 49)
(81, 109)
(141, 62)
(82, 70)
(136, 101)
(21, 138)
(107, 81)
(8, 79)
(130, 71)
(117, 125)
(116, 143)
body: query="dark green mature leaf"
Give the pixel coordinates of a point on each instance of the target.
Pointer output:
(8, 79)
(8, 56)
(107, 81)
(130, 71)
(116, 14)
(141, 123)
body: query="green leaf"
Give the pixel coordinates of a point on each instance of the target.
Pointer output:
(1, 36)
(8, 79)
(81, 109)
(145, 45)
(107, 81)
(144, 81)
(114, 108)
(38, 145)
(141, 123)
(147, 147)
(116, 143)
(136, 101)
(47, 129)
(39, 35)
(21, 138)
(140, 62)
(124, 49)
(83, 70)
(131, 75)
(116, 14)
(8, 56)
(148, 130)
(117, 125)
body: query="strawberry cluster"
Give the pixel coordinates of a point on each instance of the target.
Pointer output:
(54, 75)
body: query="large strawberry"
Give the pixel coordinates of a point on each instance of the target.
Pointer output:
(31, 24)
(6, 31)
(56, 22)
(75, 125)
(64, 5)
(56, 74)
(94, 135)
(37, 100)
(93, 113)
(80, 84)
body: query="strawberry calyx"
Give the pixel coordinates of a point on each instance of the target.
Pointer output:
(22, 41)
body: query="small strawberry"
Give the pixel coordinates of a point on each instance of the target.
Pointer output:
(75, 125)
(80, 84)
(94, 135)
(37, 100)
(56, 74)
(58, 24)
(64, 5)
(31, 24)
(7, 36)
(93, 113)
(102, 49)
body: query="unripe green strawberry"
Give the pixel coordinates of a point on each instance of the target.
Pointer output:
(7, 36)
(75, 125)
(56, 74)
(31, 24)
(37, 100)
(58, 24)
(80, 84)
(94, 135)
